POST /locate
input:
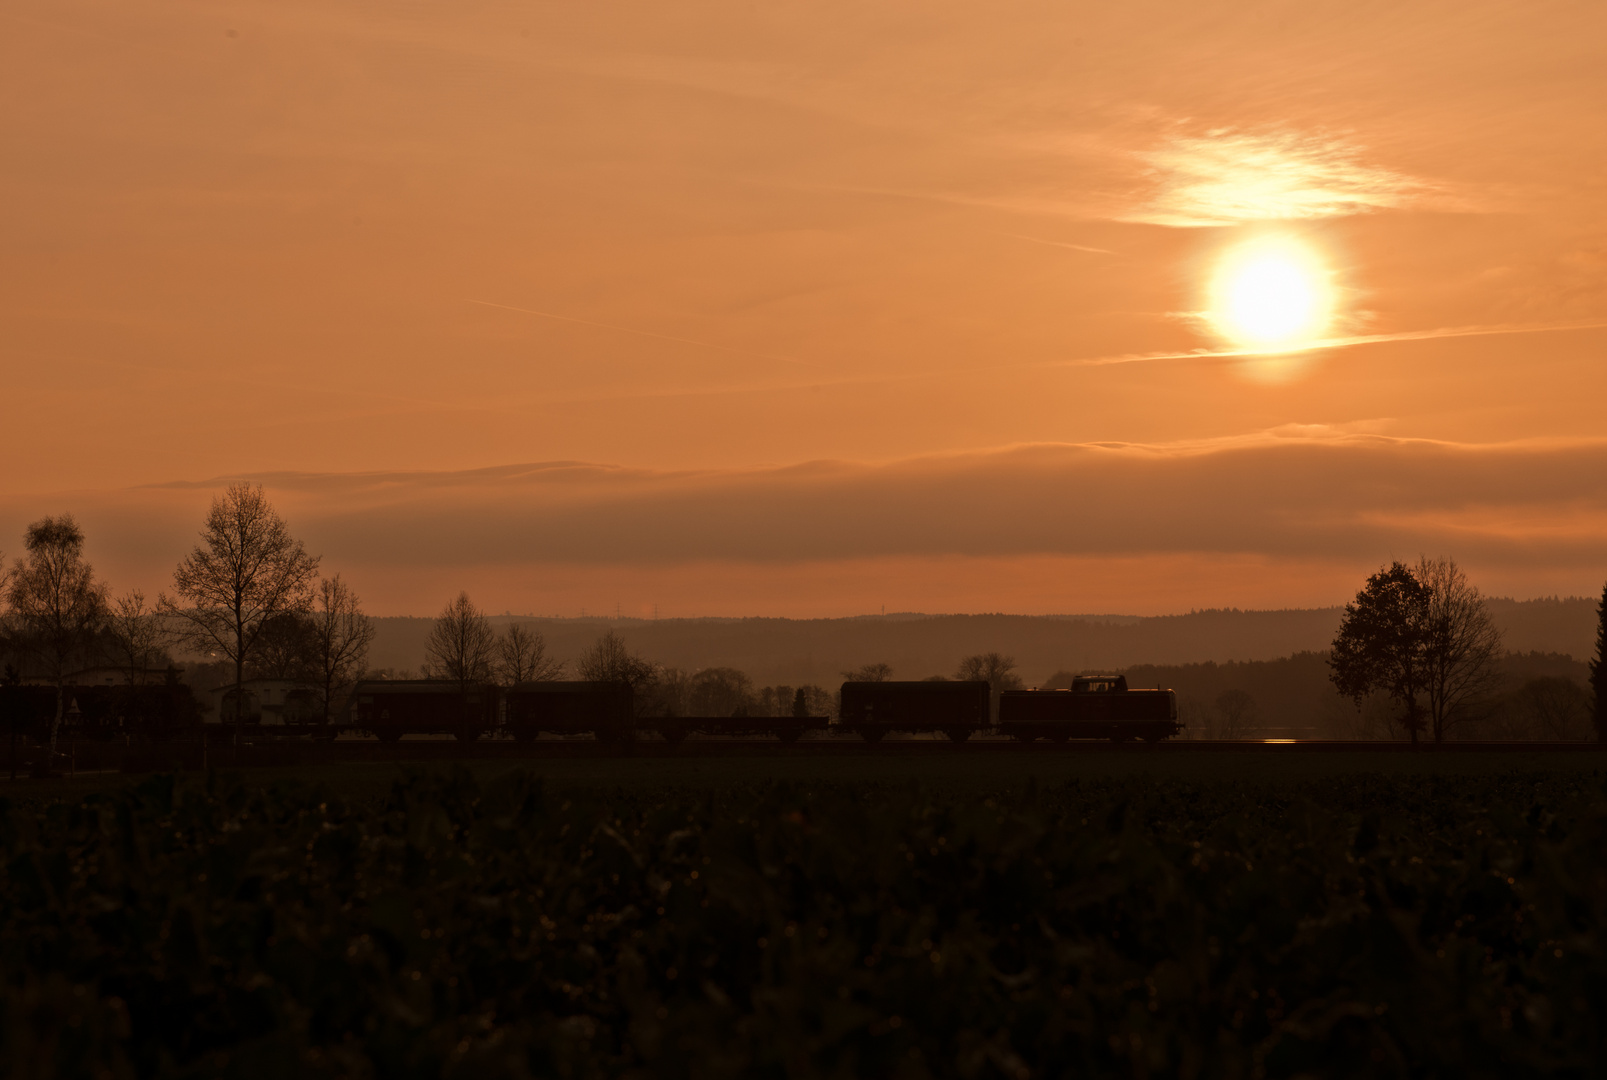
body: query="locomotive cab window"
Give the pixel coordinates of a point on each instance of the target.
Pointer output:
(1099, 685)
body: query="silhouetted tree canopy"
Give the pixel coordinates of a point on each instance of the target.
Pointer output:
(1234, 714)
(338, 637)
(461, 647)
(522, 657)
(246, 571)
(283, 649)
(1598, 671)
(721, 691)
(1381, 640)
(1461, 645)
(56, 604)
(995, 669)
(138, 634)
(610, 661)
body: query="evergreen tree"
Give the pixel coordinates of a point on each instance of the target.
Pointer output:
(1598, 670)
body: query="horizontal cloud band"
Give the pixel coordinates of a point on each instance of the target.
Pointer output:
(1348, 497)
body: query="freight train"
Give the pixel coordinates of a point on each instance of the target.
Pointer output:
(1096, 707)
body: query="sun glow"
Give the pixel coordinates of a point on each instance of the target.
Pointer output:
(1271, 295)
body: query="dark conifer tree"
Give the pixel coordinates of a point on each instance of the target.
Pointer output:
(1598, 670)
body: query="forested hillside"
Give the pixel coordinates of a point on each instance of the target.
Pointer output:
(804, 651)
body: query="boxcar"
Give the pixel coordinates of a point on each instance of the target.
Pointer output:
(392, 708)
(1096, 707)
(570, 708)
(875, 708)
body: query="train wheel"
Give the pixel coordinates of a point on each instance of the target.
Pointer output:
(871, 734)
(674, 736)
(790, 734)
(957, 734)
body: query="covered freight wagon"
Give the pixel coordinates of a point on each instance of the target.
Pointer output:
(570, 708)
(391, 708)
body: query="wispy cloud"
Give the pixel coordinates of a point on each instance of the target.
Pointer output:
(1347, 342)
(1232, 177)
(1059, 244)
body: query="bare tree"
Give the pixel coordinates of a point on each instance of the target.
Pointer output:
(284, 649)
(721, 691)
(339, 634)
(814, 701)
(56, 601)
(869, 673)
(671, 695)
(138, 632)
(461, 646)
(522, 657)
(246, 570)
(1233, 716)
(995, 669)
(1461, 644)
(1554, 707)
(610, 661)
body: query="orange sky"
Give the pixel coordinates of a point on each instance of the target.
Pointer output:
(817, 299)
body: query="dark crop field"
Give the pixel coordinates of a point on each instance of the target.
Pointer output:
(1113, 915)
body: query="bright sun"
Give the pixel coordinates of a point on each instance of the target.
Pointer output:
(1271, 295)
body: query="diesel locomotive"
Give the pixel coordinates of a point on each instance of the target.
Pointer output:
(1096, 707)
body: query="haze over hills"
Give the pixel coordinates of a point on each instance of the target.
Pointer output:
(797, 651)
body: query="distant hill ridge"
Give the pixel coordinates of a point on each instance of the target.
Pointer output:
(795, 651)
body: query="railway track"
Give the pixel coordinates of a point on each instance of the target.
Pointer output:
(283, 752)
(439, 749)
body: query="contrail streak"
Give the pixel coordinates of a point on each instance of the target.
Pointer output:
(642, 333)
(1324, 344)
(1056, 243)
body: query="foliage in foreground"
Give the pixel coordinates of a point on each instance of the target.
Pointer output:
(1369, 926)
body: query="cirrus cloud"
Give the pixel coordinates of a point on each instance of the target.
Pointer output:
(1231, 177)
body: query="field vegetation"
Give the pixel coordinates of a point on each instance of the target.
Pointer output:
(649, 919)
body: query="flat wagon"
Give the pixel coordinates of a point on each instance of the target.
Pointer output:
(873, 709)
(788, 729)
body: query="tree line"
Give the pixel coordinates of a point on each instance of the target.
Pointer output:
(463, 648)
(1417, 640)
(248, 592)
